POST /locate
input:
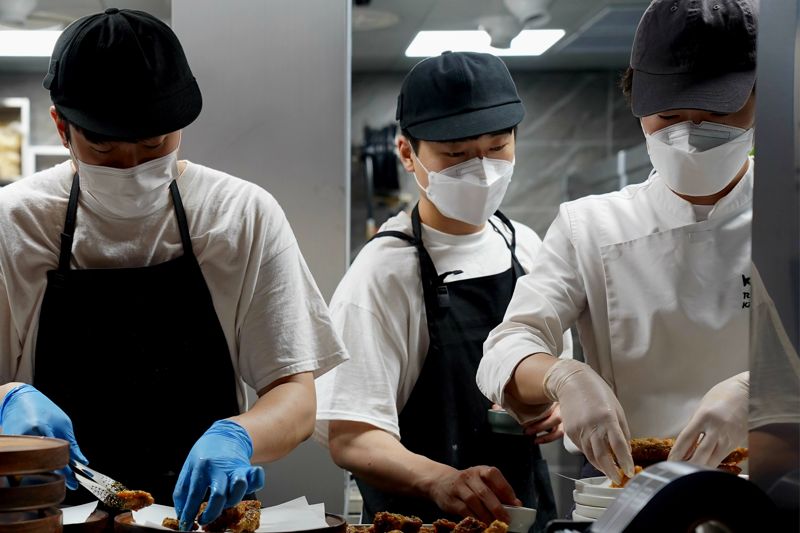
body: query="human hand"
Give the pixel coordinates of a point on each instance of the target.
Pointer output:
(219, 461)
(593, 417)
(550, 422)
(479, 491)
(718, 425)
(26, 411)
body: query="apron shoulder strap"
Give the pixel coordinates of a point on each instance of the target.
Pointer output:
(180, 214)
(68, 234)
(512, 245)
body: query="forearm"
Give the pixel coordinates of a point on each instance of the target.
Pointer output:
(526, 387)
(282, 417)
(381, 460)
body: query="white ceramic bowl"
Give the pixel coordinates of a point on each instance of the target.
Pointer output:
(521, 518)
(580, 518)
(589, 510)
(592, 499)
(599, 486)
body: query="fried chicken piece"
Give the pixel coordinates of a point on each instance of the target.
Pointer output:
(625, 479)
(730, 468)
(646, 452)
(133, 500)
(444, 526)
(244, 517)
(359, 529)
(735, 457)
(469, 525)
(496, 527)
(427, 529)
(174, 523)
(386, 522)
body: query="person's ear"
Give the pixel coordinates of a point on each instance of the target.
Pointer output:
(404, 153)
(61, 126)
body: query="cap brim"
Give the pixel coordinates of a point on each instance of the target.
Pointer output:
(125, 120)
(655, 93)
(469, 124)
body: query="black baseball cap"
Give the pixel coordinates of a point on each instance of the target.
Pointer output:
(122, 73)
(694, 54)
(457, 95)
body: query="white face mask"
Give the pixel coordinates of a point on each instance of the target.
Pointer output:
(470, 191)
(129, 192)
(698, 160)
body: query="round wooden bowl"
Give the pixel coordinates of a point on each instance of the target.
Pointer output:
(22, 454)
(31, 491)
(97, 522)
(42, 521)
(123, 523)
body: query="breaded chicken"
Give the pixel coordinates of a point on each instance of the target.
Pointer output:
(444, 526)
(496, 527)
(244, 517)
(469, 525)
(133, 500)
(385, 522)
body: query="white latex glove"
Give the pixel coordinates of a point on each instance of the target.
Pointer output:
(721, 420)
(593, 418)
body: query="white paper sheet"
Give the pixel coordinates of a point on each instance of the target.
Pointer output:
(294, 515)
(77, 514)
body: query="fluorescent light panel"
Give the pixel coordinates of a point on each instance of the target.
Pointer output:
(527, 43)
(27, 43)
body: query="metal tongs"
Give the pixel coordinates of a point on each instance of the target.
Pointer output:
(102, 486)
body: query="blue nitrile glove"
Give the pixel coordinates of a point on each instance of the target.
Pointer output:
(219, 461)
(26, 411)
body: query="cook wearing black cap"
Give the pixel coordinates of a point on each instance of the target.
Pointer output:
(657, 275)
(405, 415)
(139, 293)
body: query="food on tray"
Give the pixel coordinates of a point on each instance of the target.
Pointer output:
(625, 479)
(244, 517)
(444, 526)
(648, 451)
(173, 523)
(394, 523)
(133, 500)
(496, 527)
(469, 525)
(386, 522)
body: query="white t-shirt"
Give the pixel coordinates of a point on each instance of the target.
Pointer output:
(379, 312)
(273, 316)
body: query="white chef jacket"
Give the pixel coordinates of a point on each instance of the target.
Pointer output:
(661, 301)
(274, 318)
(379, 311)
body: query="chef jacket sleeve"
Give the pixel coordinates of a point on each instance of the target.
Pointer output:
(546, 302)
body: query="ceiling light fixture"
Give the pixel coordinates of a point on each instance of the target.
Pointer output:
(527, 43)
(27, 43)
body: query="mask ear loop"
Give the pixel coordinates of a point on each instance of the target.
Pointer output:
(425, 190)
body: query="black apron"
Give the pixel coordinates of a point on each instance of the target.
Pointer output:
(445, 418)
(137, 359)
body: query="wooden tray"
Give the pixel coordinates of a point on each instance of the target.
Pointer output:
(97, 522)
(123, 523)
(31, 491)
(43, 521)
(21, 454)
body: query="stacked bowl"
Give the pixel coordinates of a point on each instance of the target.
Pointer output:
(592, 497)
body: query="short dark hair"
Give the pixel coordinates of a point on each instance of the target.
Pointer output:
(626, 84)
(415, 142)
(91, 136)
